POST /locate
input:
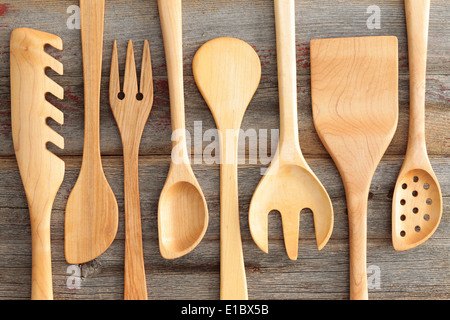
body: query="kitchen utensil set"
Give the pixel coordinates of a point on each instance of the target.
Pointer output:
(354, 86)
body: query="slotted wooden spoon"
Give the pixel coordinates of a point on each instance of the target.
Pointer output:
(354, 83)
(227, 72)
(417, 200)
(289, 185)
(41, 171)
(92, 215)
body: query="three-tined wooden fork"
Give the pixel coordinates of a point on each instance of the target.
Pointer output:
(131, 107)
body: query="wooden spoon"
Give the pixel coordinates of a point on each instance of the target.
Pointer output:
(182, 210)
(91, 219)
(354, 85)
(417, 201)
(227, 72)
(289, 185)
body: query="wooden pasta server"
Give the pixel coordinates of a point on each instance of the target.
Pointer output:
(41, 171)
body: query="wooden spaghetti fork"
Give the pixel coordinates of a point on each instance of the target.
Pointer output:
(131, 108)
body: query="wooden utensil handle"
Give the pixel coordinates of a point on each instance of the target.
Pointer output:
(287, 77)
(170, 12)
(417, 20)
(233, 283)
(357, 217)
(135, 287)
(41, 277)
(91, 18)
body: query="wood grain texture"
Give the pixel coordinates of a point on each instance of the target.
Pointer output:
(414, 274)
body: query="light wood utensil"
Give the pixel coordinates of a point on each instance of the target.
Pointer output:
(91, 218)
(182, 211)
(355, 110)
(417, 200)
(227, 72)
(289, 185)
(41, 171)
(131, 111)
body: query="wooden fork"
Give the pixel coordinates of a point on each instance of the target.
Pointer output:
(131, 108)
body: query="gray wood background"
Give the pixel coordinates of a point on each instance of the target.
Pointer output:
(420, 273)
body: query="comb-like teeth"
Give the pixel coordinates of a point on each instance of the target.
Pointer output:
(54, 137)
(53, 64)
(130, 78)
(52, 40)
(54, 88)
(54, 113)
(146, 87)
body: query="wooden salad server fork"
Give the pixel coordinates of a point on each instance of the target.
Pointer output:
(41, 171)
(131, 108)
(417, 200)
(289, 185)
(92, 217)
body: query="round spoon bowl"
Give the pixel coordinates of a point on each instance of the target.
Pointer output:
(184, 221)
(417, 208)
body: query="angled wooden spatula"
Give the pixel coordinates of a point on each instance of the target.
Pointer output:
(41, 171)
(92, 214)
(354, 83)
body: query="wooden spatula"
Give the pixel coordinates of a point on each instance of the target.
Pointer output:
(92, 215)
(42, 172)
(354, 83)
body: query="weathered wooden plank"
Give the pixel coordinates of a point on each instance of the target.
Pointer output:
(252, 21)
(418, 273)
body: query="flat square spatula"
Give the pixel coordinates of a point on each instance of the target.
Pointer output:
(354, 83)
